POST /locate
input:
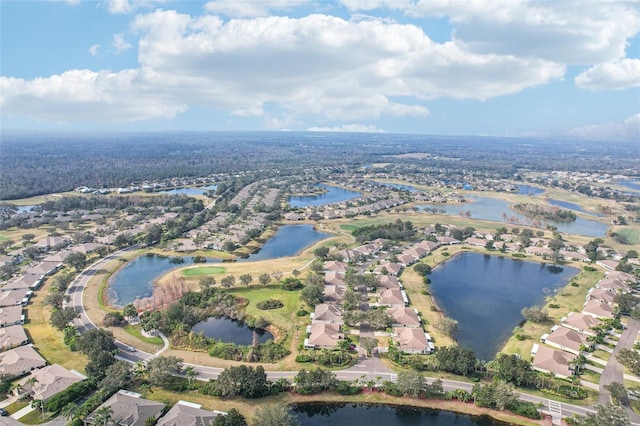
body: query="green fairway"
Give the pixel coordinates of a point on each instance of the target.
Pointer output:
(203, 270)
(349, 227)
(631, 235)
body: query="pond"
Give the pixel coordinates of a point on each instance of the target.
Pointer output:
(335, 414)
(485, 294)
(570, 206)
(333, 195)
(529, 190)
(24, 209)
(135, 280)
(494, 209)
(634, 186)
(288, 241)
(230, 331)
(191, 191)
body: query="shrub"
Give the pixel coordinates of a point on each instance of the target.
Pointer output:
(574, 284)
(554, 305)
(114, 319)
(302, 313)
(304, 358)
(269, 304)
(290, 284)
(347, 388)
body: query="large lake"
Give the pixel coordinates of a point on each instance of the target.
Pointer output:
(487, 208)
(320, 414)
(333, 195)
(570, 206)
(135, 280)
(485, 294)
(529, 190)
(192, 191)
(288, 241)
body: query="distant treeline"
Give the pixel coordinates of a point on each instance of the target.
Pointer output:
(38, 163)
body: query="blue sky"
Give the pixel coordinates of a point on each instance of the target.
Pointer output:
(487, 67)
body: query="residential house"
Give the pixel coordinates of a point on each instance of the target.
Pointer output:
(406, 259)
(477, 242)
(188, 414)
(538, 251)
(129, 409)
(613, 285)
(333, 293)
(20, 360)
(548, 360)
(392, 297)
(601, 295)
(598, 309)
(404, 317)
(335, 266)
(609, 265)
(49, 381)
(59, 257)
(323, 335)
(566, 339)
(392, 268)
(327, 313)
(15, 297)
(621, 276)
(389, 281)
(580, 322)
(413, 340)
(25, 281)
(574, 255)
(11, 315)
(446, 241)
(12, 336)
(44, 268)
(334, 278)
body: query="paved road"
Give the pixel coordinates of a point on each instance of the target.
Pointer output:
(614, 371)
(367, 369)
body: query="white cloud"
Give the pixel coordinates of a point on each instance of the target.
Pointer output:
(628, 130)
(250, 8)
(93, 50)
(620, 75)
(129, 6)
(355, 128)
(120, 44)
(570, 32)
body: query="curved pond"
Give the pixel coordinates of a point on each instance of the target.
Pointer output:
(191, 191)
(485, 294)
(494, 209)
(135, 280)
(634, 186)
(288, 241)
(230, 331)
(570, 206)
(320, 414)
(333, 195)
(529, 190)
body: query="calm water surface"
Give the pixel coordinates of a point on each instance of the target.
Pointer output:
(288, 241)
(135, 280)
(570, 206)
(192, 191)
(529, 190)
(334, 195)
(485, 294)
(494, 209)
(320, 414)
(230, 331)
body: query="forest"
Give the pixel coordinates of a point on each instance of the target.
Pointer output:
(38, 163)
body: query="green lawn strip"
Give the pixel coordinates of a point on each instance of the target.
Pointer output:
(34, 417)
(14, 407)
(135, 331)
(603, 355)
(281, 317)
(631, 235)
(203, 270)
(591, 376)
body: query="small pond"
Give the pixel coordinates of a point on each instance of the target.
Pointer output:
(192, 191)
(634, 186)
(24, 209)
(529, 190)
(485, 294)
(494, 209)
(230, 331)
(335, 414)
(570, 206)
(288, 241)
(333, 195)
(135, 280)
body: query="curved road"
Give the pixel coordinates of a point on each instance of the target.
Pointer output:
(365, 369)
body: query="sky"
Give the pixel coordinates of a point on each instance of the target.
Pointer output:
(568, 68)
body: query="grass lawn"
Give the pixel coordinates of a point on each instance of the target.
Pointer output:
(203, 270)
(632, 235)
(136, 331)
(16, 406)
(603, 355)
(34, 418)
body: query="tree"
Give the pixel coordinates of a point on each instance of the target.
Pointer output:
(28, 238)
(312, 294)
(369, 344)
(378, 319)
(618, 392)
(69, 411)
(233, 418)
(321, 252)
(55, 299)
(96, 340)
(277, 275)
(244, 381)
(190, 373)
(77, 260)
(103, 416)
(457, 360)
(605, 415)
(229, 246)
(162, 369)
(60, 318)
(512, 368)
(228, 281)
(626, 302)
(246, 279)
(447, 326)
(130, 311)
(274, 415)
(411, 384)
(116, 376)
(264, 279)
(630, 359)
(535, 314)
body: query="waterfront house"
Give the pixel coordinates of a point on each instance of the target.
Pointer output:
(566, 339)
(404, 317)
(598, 309)
(188, 414)
(580, 322)
(549, 360)
(129, 409)
(413, 340)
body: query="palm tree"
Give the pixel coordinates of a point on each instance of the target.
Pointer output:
(69, 411)
(139, 369)
(103, 416)
(190, 373)
(144, 389)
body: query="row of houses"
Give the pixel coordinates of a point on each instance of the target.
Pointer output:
(571, 337)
